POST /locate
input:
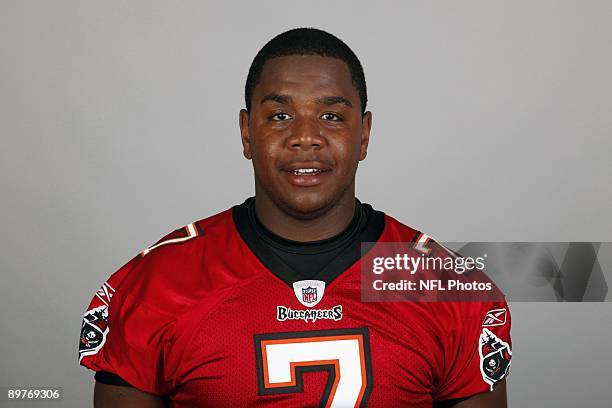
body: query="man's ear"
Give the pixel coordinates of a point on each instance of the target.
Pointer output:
(243, 122)
(366, 126)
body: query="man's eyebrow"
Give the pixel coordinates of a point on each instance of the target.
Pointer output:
(275, 97)
(326, 100)
(331, 100)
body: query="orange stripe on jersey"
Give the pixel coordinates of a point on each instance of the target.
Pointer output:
(190, 230)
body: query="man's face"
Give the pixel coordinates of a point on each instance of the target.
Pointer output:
(305, 133)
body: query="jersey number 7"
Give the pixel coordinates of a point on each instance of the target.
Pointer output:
(282, 358)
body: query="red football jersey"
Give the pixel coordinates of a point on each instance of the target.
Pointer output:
(200, 319)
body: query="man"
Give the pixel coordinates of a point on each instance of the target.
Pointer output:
(260, 305)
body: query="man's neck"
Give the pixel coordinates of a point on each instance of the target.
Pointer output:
(328, 224)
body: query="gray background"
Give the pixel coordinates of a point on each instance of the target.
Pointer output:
(119, 123)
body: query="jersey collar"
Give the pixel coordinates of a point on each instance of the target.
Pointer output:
(370, 232)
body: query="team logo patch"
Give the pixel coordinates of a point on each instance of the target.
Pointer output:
(495, 358)
(309, 292)
(495, 317)
(93, 331)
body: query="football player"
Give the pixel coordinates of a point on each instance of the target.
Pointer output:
(260, 305)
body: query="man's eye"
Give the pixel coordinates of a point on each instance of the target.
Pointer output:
(331, 116)
(281, 116)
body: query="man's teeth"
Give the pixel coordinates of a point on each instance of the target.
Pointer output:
(301, 172)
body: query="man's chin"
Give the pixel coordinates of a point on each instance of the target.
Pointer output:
(307, 206)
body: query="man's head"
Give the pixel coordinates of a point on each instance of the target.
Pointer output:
(306, 41)
(305, 126)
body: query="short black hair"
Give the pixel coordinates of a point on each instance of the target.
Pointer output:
(306, 41)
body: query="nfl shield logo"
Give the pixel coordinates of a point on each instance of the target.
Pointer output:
(309, 294)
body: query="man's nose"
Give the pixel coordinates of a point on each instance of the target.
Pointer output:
(306, 134)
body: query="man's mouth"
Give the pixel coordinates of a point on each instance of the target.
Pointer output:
(307, 174)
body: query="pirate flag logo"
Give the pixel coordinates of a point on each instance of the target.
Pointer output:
(495, 357)
(93, 331)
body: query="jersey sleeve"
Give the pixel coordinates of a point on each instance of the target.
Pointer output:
(123, 335)
(477, 352)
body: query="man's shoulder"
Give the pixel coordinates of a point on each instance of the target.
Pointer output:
(183, 244)
(420, 243)
(172, 274)
(160, 284)
(214, 225)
